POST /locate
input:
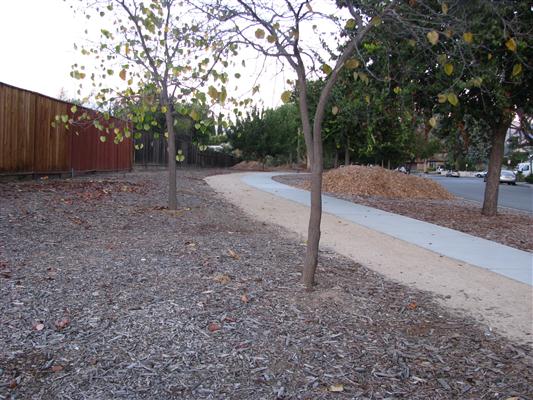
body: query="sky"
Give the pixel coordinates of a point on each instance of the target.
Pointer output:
(37, 51)
(36, 45)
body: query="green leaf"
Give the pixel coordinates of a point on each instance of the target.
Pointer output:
(444, 8)
(433, 37)
(335, 110)
(511, 44)
(517, 69)
(448, 69)
(271, 39)
(212, 92)
(103, 138)
(452, 99)
(364, 77)
(442, 98)
(259, 33)
(433, 122)
(442, 58)
(194, 115)
(180, 157)
(164, 109)
(64, 118)
(73, 109)
(286, 96)
(375, 21)
(397, 90)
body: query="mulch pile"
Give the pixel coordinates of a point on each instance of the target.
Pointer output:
(104, 293)
(381, 182)
(249, 166)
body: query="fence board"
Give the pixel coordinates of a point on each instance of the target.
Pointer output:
(29, 144)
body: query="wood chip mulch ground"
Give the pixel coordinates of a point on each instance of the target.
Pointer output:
(104, 293)
(422, 200)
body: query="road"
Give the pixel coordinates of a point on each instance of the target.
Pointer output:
(518, 197)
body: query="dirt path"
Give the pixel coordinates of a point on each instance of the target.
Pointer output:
(502, 304)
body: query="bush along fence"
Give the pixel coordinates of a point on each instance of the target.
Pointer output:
(29, 144)
(150, 151)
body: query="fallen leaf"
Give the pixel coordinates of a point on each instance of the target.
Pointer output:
(213, 327)
(57, 368)
(38, 326)
(222, 278)
(62, 323)
(336, 388)
(245, 298)
(412, 305)
(233, 255)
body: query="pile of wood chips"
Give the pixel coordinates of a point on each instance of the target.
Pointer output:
(249, 166)
(376, 181)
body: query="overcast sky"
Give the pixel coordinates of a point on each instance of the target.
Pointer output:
(36, 45)
(36, 50)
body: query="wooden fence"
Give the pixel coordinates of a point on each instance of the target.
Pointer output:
(30, 145)
(154, 152)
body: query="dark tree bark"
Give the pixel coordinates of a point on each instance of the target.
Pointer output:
(347, 152)
(171, 146)
(490, 201)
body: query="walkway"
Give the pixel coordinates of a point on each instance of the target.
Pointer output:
(504, 260)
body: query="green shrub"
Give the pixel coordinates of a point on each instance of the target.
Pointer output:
(529, 178)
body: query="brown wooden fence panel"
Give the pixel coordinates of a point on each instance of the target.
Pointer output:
(29, 144)
(52, 145)
(17, 121)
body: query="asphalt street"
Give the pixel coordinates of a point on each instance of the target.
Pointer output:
(518, 197)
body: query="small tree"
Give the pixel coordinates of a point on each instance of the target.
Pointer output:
(150, 45)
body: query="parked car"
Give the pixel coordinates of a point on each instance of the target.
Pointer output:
(524, 168)
(453, 173)
(505, 177)
(440, 169)
(480, 174)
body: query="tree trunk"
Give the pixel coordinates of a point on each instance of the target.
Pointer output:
(490, 201)
(347, 152)
(336, 159)
(315, 217)
(172, 193)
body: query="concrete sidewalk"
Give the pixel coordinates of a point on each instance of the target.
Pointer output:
(504, 260)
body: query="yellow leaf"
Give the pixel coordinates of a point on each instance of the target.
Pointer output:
(350, 24)
(449, 33)
(164, 109)
(212, 92)
(364, 78)
(259, 33)
(511, 44)
(411, 42)
(433, 122)
(444, 8)
(517, 69)
(367, 99)
(271, 38)
(352, 63)
(468, 37)
(73, 109)
(452, 99)
(442, 98)
(326, 69)
(122, 74)
(103, 139)
(489, 56)
(433, 37)
(126, 48)
(286, 96)
(336, 388)
(397, 90)
(448, 69)
(194, 115)
(441, 58)
(335, 110)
